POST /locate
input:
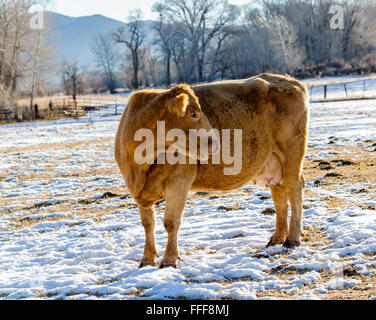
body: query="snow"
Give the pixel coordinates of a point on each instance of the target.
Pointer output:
(68, 255)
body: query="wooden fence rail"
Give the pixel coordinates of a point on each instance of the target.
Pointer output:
(58, 107)
(325, 83)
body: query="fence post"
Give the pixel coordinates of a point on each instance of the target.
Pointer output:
(364, 88)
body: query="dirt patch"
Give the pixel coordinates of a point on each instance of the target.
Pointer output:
(269, 212)
(351, 166)
(230, 208)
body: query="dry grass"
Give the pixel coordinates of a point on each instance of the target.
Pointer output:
(83, 208)
(364, 291)
(67, 146)
(311, 235)
(358, 167)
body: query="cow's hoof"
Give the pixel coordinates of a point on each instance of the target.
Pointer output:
(274, 241)
(291, 244)
(146, 263)
(165, 264)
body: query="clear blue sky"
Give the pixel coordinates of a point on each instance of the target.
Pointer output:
(117, 9)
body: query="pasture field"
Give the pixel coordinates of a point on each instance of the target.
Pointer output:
(69, 229)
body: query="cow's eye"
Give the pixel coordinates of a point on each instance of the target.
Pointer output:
(194, 115)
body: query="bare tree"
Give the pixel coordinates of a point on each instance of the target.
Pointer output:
(219, 58)
(204, 43)
(167, 36)
(73, 80)
(282, 37)
(107, 58)
(39, 61)
(35, 68)
(13, 32)
(197, 22)
(358, 35)
(216, 16)
(133, 38)
(23, 50)
(148, 65)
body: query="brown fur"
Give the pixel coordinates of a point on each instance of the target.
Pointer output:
(272, 111)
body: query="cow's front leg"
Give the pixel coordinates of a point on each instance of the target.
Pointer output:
(176, 195)
(148, 222)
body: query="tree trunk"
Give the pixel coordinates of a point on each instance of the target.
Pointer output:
(168, 69)
(135, 69)
(200, 70)
(75, 96)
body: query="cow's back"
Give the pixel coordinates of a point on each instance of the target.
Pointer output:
(230, 104)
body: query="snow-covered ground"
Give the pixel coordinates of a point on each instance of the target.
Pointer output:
(69, 230)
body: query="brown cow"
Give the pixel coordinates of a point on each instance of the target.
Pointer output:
(271, 110)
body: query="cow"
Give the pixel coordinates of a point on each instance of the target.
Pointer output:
(272, 112)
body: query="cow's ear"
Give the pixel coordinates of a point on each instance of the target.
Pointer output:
(179, 105)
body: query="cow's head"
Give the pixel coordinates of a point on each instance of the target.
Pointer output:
(183, 114)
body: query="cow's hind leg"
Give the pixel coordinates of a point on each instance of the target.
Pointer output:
(295, 195)
(294, 184)
(176, 196)
(280, 199)
(148, 222)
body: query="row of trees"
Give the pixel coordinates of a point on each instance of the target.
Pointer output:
(182, 48)
(295, 33)
(205, 40)
(24, 54)
(193, 41)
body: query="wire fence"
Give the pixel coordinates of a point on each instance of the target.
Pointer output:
(65, 107)
(342, 89)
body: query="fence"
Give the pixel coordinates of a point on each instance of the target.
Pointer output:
(60, 107)
(361, 88)
(72, 107)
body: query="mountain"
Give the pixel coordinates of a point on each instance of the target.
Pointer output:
(73, 37)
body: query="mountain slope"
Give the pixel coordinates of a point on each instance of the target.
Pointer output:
(73, 37)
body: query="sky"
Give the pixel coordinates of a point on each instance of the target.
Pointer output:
(116, 9)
